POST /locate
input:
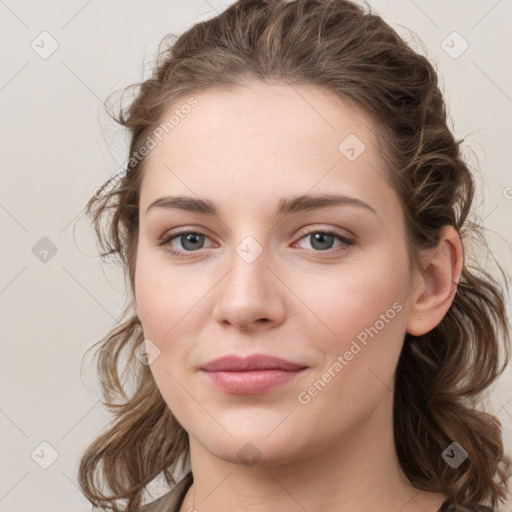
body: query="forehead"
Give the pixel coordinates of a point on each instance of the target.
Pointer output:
(280, 115)
(265, 139)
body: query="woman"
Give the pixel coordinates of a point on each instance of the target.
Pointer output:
(305, 333)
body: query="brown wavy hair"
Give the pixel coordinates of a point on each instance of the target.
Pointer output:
(350, 51)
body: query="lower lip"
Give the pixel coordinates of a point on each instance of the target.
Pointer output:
(251, 382)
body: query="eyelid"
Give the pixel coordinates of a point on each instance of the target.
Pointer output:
(346, 241)
(168, 236)
(314, 228)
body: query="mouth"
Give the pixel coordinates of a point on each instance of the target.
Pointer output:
(252, 375)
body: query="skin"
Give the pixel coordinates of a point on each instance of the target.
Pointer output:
(244, 150)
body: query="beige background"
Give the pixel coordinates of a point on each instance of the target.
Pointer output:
(58, 146)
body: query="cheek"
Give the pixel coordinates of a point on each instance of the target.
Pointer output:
(165, 318)
(171, 312)
(364, 308)
(355, 297)
(161, 294)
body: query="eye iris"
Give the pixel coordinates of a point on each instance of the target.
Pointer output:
(321, 238)
(191, 237)
(320, 241)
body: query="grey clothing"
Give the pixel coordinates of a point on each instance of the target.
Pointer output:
(172, 500)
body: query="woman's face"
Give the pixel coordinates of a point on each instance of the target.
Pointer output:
(324, 287)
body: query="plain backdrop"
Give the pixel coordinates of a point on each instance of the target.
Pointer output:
(59, 61)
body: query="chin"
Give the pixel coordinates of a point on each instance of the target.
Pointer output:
(250, 452)
(268, 445)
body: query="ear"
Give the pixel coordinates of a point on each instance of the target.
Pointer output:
(434, 292)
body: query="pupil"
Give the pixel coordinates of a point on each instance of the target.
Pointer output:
(318, 238)
(191, 238)
(321, 238)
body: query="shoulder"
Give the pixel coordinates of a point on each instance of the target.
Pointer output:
(170, 501)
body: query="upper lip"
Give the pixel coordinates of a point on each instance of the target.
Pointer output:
(251, 363)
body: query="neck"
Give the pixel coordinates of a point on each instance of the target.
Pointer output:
(356, 473)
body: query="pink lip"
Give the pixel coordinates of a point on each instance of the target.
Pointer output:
(251, 375)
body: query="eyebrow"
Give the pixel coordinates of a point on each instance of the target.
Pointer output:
(286, 205)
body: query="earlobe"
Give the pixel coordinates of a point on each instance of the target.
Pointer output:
(442, 271)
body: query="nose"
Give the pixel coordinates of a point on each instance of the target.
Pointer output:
(251, 295)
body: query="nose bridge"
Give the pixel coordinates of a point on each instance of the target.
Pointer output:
(249, 291)
(248, 277)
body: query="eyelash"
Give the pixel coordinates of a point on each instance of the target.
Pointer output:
(166, 238)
